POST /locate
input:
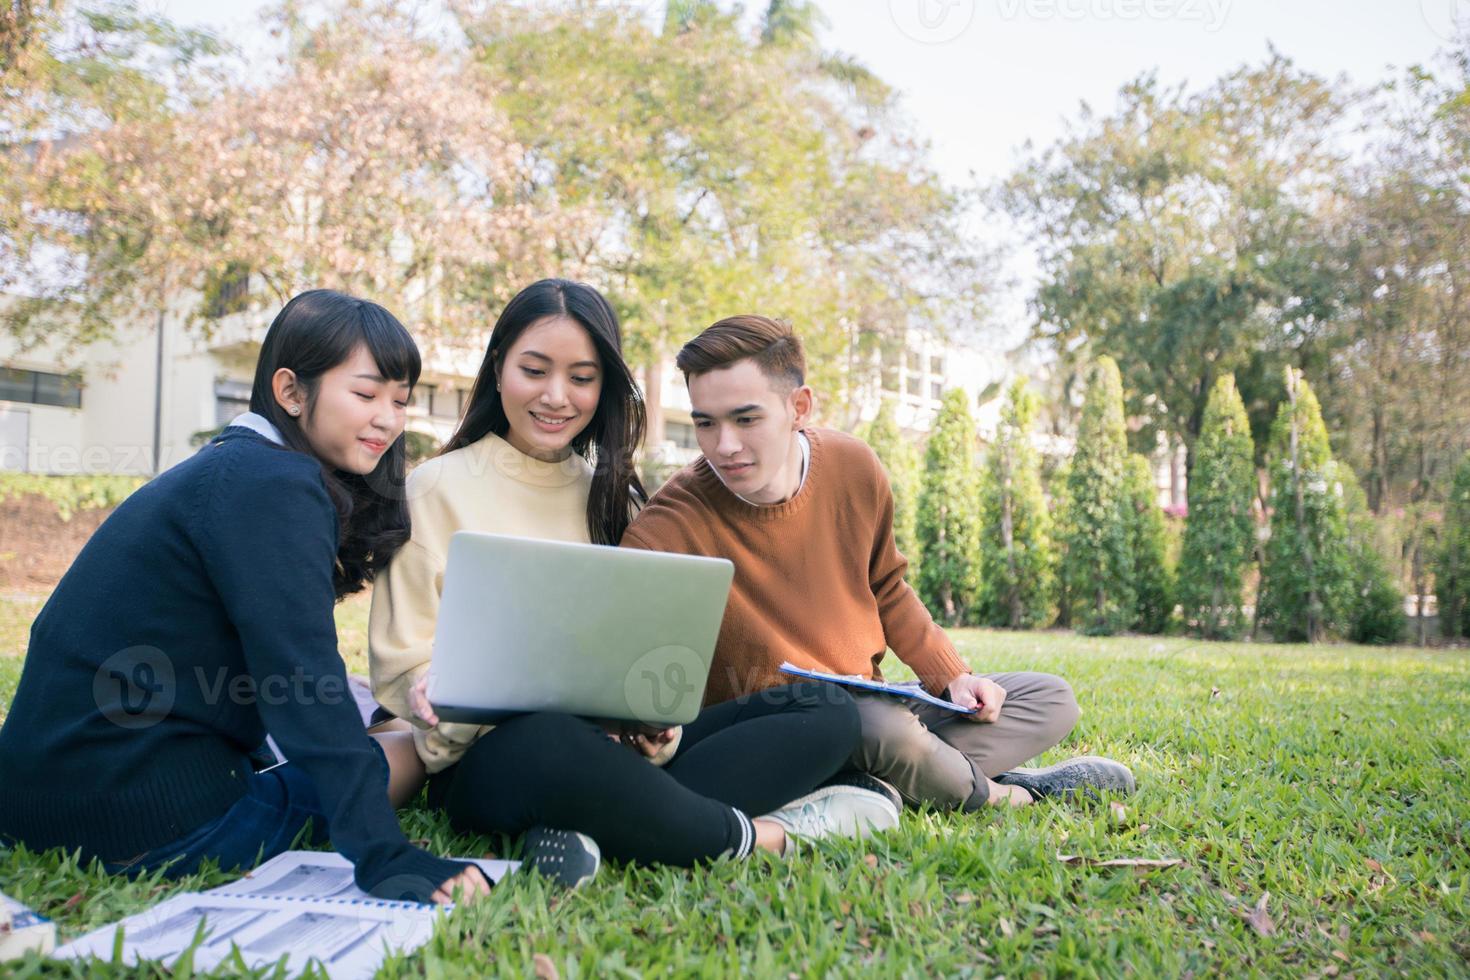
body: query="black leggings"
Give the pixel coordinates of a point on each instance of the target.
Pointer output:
(737, 760)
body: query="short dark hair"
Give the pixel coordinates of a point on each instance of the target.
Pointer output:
(772, 344)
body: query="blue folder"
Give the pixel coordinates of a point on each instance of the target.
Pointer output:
(908, 689)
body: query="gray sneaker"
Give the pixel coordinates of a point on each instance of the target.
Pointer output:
(836, 811)
(563, 856)
(1085, 775)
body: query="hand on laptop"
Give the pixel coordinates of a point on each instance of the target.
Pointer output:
(418, 700)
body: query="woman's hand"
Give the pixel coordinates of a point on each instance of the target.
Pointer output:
(646, 739)
(469, 883)
(418, 700)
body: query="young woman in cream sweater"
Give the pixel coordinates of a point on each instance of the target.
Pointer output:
(545, 449)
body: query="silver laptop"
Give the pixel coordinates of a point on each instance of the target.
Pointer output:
(532, 625)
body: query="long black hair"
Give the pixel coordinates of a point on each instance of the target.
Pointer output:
(616, 431)
(314, 332)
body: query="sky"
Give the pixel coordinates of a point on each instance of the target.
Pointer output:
(979, 78)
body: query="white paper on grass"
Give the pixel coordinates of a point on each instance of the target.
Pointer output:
(349, 940)
(301, 904)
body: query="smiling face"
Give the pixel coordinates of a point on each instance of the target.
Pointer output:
(550, 384)
(746, 425)
(355, 414)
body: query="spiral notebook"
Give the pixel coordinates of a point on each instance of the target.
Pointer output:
(297, 907)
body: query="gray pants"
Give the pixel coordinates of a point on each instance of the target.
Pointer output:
(937, 757)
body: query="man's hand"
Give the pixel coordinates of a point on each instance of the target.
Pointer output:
(974, 691)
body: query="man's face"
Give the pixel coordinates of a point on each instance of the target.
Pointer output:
(746, 425)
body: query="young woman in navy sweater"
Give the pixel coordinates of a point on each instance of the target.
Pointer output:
(199, 617)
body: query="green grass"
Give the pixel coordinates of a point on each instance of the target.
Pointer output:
(1333, 778)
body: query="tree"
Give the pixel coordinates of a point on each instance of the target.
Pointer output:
(1177, 234)
(1148, 543)
(1017, 560)
(1375, 604)
(1220, 528)
(679, 170)
(1306, 581)
(72, 71)
(1099, 563)
(1062, 533)
(948, 514)
(711, 157)
(900, 460)
(1452, 572)
(370, 161)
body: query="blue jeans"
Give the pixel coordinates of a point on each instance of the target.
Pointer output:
(279, 804)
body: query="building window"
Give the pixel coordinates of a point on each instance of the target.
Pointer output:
(915, 363)
(444, 401)
(936, 364)
(39, 388)
(915, 386)
(936, 390)
(681, 434)
(231, 398)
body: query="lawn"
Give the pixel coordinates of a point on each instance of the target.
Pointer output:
(1331, 779)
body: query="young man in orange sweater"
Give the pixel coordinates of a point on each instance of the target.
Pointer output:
(806, 515)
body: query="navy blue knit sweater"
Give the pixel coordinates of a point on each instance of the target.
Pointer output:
(196, 619)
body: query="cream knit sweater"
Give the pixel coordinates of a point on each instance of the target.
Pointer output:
(489, 486)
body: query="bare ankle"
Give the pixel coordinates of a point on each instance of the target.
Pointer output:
(1012, 796)
(770, 836)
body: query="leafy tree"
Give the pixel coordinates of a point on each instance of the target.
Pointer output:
(681, 169)
(1401, 346)
(1375, 604)
(370, 160)
(708, 159)
(900, 459)
(1452, 573)
(1148, 543)
(1306, 581)
(1219, 533)
(948, 520)
(72, 72)
(1099, 562)
(1177, 234)
(1062, 533)
(1017, 560)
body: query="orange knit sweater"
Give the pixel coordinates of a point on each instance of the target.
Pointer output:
(818, 580)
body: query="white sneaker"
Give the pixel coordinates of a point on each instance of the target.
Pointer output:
(836, 811)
